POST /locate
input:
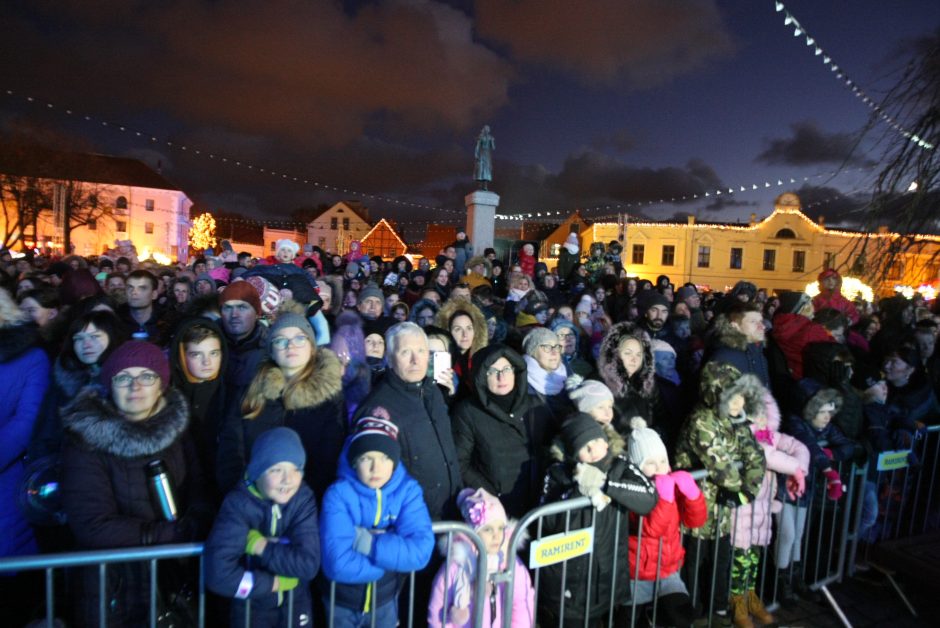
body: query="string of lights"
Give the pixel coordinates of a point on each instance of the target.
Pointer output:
(731, 190)
(223, 158)
(799, 30)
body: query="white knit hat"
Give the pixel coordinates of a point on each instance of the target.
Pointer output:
(661, 346)
(644, 443)
(289, 244)
(589, 395)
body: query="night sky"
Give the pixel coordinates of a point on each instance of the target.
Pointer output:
(593, 104)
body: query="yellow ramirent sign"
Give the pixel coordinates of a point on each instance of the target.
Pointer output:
(560, 547)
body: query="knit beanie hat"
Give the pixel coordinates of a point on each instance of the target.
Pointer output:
(280, 444)
(649, 298)
(685, 292)
(792, 302)
(374, 433)
(241, 291)
(585, 304)
(268, 295)
(644, 443)
(136, 353)
(479, 508)
(290, 319)
(353, 267)
(78, 284)
(590, 395)
(661, 346)
(370, 290)
(577, 431)
(288, 244)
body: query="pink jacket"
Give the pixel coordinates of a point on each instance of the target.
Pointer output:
(784, 454)
(460, 583)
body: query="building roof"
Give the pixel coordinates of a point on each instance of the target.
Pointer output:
(94, 168)
(356, 207)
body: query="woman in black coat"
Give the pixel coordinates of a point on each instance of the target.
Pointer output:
(298, 386)
(502, 434)
(111, 440)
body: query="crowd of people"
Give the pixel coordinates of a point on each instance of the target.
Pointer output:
(309, 416)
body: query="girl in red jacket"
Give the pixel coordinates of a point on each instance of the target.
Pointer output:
(680, 502)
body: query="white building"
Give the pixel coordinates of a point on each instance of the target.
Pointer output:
(339, 225)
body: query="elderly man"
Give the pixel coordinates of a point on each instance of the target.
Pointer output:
(417, 407)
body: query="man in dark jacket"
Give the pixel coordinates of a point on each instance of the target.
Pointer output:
(241, 307)
(740, 336)
(417, 407)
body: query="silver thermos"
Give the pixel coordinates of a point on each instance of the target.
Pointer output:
(161, 491)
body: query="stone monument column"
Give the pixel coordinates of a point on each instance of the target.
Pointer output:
(481, 218)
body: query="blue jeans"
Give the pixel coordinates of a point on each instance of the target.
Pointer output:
(867, 531)
(386, 616)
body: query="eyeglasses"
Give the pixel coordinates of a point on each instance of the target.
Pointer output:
(497, 373)
(550, 348)
(563, 335)
(280, 343)
(124, 380)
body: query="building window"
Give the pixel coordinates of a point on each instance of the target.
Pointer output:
(148, 227)
(639, 251)
(345, 224)
(121, 226)
(799, 261)
(829, 261)
(669, 254)
(786, 234)
(391, 253)
(148, 204)
(704, 256)
(556, 250)
(92, 224)
(272, 246)
(737, 257)
(334, 223)
(321, 242)
(120, 203)
(770, 259)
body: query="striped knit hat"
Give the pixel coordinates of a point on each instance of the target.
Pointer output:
(374, 433)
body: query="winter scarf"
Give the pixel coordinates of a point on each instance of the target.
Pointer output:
(544, 382)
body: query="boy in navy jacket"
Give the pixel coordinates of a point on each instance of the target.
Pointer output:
(265, 542)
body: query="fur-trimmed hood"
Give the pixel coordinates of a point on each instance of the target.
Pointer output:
(611, 368)
(16, 340)
(719, 382)
(324, 384)
(451, 307)
(818, 400)
(484, 360)
(727, 335)
(99, 426)
(479, 259)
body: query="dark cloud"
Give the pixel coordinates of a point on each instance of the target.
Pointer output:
(301, 73)
(645, 42)
(621, 140)
(728, 201)
(835, 206)
(809, 145)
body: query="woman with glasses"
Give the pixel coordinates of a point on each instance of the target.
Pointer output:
(547, 371)
(114, 437)
(298, 385)
(502, 434)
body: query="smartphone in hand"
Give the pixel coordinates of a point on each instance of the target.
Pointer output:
(442, 362)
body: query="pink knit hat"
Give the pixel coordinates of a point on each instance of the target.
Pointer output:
(480, 508)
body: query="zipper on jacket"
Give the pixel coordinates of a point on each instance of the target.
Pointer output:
(275, 517)
(375, 524)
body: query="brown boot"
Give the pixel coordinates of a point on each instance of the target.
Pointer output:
(756, 608)
(739, 612)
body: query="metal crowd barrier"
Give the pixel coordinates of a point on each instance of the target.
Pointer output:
(101, 559)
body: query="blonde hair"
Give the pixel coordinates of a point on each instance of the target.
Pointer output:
(255, 397)
(10, 312)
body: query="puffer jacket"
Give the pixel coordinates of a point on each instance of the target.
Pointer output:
(663, 523)
(834, 300)
(712, 439)
(24, 377)
(784, 455)
(313, 408)
(630, 491)
(504, 452)
(406, 544)
(295, 554)
(792, 332)
(732, 347)
(106, 497)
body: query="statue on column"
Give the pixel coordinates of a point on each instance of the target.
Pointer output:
(483, 168)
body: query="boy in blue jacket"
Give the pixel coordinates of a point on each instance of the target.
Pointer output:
(374, 526)
(265, 542)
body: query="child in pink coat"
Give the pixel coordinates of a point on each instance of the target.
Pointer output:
(486, 514)
(752, 522)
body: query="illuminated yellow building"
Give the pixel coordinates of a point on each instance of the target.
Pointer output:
(784, 251)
